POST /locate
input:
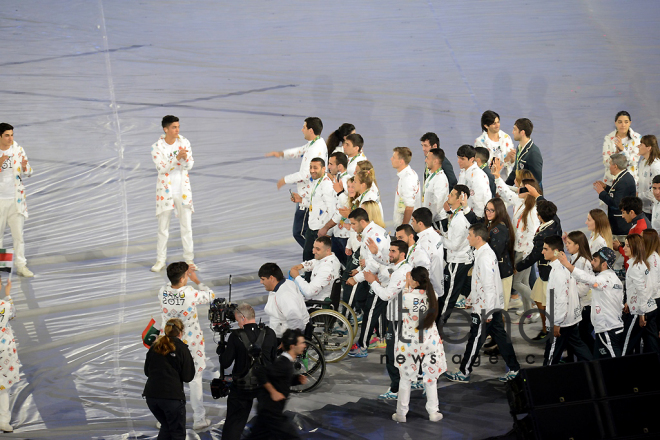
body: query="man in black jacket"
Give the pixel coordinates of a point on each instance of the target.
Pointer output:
(271, 423)
(527, 155)
(622, 186)
(239, 401)
(547, 212)
(430, 141)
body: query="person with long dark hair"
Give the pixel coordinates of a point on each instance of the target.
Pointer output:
(168, 365)
(641, 325)
(652, 250)
(577, 246)
(502, 238)
(648, 168)
(418, 335)
(336, 139)
(622, 140)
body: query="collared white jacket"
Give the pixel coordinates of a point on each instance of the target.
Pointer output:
(583, 289)
(321, 200)
(596, 243)
(17, 153)
(286, 308)
(655, 216)
(353, 161)
(182, 303)
(496, 149)
(434, 194)
(566, 310)
(307, 152)
(638, 289)
(487, 293)
(524, 236)
(645, 175)
(606, 299)
(372, 261)
(653, 281)
(630, 150)
(475, 179)
(164, 158)
(428, 252)
(456, 243)
(407, 193)
(324, 274)
(388, 290)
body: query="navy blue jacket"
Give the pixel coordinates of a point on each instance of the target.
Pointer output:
(623, 186)
(530, 159)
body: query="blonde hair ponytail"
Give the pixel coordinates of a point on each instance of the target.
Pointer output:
(165, 343)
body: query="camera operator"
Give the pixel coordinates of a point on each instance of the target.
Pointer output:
(286, 305)
(239, 402)
(271, 423)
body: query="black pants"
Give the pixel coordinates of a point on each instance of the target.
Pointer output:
(339, 249)
(568, 336)
(456, 282)
(300, 225)
(586, 329)
(392, 370)
(171, 414)
(609, 344)
(635, 333)
(354, 296)
(269, 427)
(478, 333)
(239, 405)
(374, 310)
(310, 237)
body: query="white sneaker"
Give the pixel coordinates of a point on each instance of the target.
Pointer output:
(201, 424)
(158, 425)
(158, 266)
(535, 317)
(436, 417)
(192, 263)
(6, 427)
(398, 418)
(515, 303)
(23, 271)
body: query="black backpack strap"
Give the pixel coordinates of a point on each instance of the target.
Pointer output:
(260, 339)
(244, 338)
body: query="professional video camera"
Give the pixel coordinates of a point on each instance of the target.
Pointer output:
(221, 315)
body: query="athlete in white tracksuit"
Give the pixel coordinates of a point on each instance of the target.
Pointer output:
(181, 303)
(606, 302)
(642, 308)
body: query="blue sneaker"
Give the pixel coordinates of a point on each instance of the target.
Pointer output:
(358, 352)
(388, 395)
(509, 376)
(457, 377)
(460, 304)
(419, 385)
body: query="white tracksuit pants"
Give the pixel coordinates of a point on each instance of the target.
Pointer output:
(5, 412)
(403, 396)
(9, 216)
(197, 398)
(185, 220)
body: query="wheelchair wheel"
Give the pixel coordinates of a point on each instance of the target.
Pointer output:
(311, 364)
(349, 313)
(335, 333)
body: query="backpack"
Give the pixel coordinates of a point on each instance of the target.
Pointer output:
(249, 381)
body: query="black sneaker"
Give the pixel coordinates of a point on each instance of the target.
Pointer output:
(494, 351)
(542, 335)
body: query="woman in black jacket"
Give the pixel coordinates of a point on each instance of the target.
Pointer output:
(501, 241)
(169, 364)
